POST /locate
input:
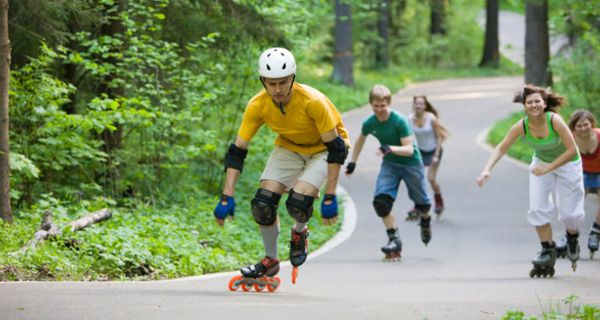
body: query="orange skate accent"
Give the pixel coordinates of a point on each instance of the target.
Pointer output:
(294, 275)
(259, 284)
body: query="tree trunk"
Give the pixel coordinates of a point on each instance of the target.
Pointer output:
(491, 55)
(397, 8)
(343, 58)
(112, 138)
(382, 56)
(438, 17)
(537, 47)
(5, 208)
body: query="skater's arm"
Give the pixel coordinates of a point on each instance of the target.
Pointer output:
(358, 145)
(234, 164)
(515, 131)
(333, 169)
(405, 149)
(565, 135)
(440, 135)
(232, 174)
(338, 152)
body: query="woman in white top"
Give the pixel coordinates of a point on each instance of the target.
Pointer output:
(429, 134)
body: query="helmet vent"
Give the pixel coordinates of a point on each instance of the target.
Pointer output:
(283, 67)
(268, 67)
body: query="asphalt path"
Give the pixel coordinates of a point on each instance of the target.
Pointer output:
(475, 267)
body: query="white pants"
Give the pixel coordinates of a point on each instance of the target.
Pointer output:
(567, 184)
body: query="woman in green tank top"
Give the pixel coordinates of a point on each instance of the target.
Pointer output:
(555, 168)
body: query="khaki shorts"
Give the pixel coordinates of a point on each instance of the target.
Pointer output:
(287, 168)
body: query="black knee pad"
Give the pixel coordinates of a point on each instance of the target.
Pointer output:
(300, 206)
(383, 204)
(264, 207)
(423, 208)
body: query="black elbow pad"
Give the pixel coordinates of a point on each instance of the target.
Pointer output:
(337, 150)
(234, 158)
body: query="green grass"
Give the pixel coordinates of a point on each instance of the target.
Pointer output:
(563, 309)
(145, 244)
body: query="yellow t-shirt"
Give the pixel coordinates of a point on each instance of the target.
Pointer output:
(308, 114)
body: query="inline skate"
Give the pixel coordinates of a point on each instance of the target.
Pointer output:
(593, 240)
(298, 250)
(258, 276)
(393, 249)
(543, 265)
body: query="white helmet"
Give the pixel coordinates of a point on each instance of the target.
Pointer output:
(276, 63)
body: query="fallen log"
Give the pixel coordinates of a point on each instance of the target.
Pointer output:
(49, 229)
(94, 217)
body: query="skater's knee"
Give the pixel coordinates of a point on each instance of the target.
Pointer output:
(264, 207)
(423, 208)
(300, 206)
(383, 205)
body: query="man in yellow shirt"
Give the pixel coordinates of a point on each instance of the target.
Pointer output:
(311, 146)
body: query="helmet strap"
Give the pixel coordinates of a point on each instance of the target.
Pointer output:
(289, 91)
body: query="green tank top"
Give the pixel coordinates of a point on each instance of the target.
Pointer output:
(548, 148)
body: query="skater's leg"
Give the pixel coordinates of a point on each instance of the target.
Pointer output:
(437, 192)
(389, 222)
(545, 233)
(414, 177)
(300, 207)
(570, 197)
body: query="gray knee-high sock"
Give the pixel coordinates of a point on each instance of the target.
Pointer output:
(299, 226)
(269, 237)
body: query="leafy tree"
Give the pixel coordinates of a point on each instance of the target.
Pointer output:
(5, 207)
(491, 54)
(537, 48)
(343, 58)
(382, 58)
(438, 17)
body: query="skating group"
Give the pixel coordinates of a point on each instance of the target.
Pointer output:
(313, 143)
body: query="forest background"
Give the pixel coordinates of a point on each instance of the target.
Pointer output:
(131, 104)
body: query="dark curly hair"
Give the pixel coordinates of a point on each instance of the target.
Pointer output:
(553, 100)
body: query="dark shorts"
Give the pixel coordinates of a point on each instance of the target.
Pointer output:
(427, 156)
(591, 181)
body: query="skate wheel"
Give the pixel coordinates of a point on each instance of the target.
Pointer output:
(246, 287)
(259, 287)
(551, 273)
(532, 273)
(294, 275)
(592, 255)
(234, 283)
(274, 284)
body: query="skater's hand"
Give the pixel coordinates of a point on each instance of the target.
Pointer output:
(539, 170)
(383, 150)
(224, 209)
(329, 209)
(483, 178)
(350, 168)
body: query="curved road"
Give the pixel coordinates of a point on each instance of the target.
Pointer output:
(476, 266)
